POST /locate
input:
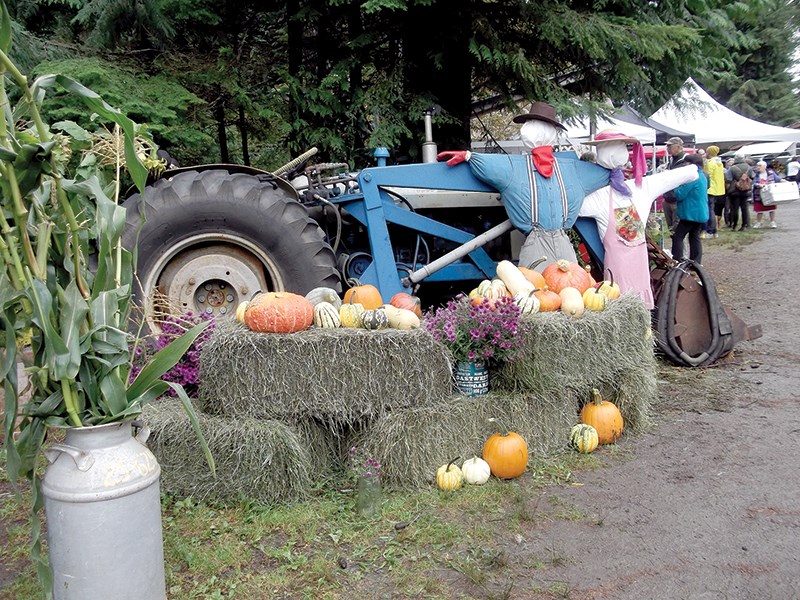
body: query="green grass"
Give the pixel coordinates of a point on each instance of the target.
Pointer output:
(417, 547)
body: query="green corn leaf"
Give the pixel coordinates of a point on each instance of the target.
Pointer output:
(114, 393)
(71, 317)
(93, 100)
(106, 318)
(32, 160)
(5, 28)
(58, 355)
(190, 412)
(164, 360)
(44, 409)
(7, 155)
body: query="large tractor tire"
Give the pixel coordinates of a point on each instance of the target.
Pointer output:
(206, 241)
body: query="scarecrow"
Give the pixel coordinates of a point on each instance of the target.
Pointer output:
(627, 205)
(542, 192)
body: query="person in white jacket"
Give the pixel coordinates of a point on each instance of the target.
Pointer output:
(627, 204)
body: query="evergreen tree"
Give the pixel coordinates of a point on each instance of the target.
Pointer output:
(759, 83)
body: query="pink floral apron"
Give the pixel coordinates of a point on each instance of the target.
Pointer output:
(626, 251)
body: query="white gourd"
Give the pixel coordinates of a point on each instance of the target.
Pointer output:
(240, 311)
(326, 315)
(476, 471)
(571, 302)
(324, 294)
(527, 301)
(401, 318)
(514, 279)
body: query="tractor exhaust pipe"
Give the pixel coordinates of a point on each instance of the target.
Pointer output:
(429, 150)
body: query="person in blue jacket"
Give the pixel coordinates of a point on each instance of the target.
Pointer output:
(692, 199)
(542, 191)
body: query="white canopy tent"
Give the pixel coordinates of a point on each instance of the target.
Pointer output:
(765, 148)
(579, 132)
(692, 109)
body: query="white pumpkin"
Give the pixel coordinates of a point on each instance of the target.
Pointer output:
(476, 471)
(401, 318)
(571, 302)
(240, 311)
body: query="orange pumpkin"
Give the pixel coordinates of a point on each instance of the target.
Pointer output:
(535, 277)
(278, 312)
(604, 416)
(549, 301)
(407, 301)
(564, 273)
(365, 294)
(507, 454)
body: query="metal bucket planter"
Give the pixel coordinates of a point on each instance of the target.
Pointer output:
(103, 512)
(472, 378)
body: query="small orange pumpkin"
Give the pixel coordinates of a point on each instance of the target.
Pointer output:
(506, 453)
(564, 273)
(278, 312)
(604, 416)
(535, 277)
(407, 301)
(365, 294)
(549, 301)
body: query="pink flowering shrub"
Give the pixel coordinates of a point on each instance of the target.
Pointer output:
(362, 465)
(486, 331)
(187, 371)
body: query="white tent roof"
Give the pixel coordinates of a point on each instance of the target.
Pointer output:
(693, 110)
(765, 148)
(579, 132)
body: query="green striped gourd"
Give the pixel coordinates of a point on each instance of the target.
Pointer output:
(583, 438)
(326, 316)
(374, 319)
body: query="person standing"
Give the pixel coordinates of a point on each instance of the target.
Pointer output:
(716, 189)
(726, 213)
(740, 192)
(677, 158)
(692, 205)
(793, 169)
(764, 175)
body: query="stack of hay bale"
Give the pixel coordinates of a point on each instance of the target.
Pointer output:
(279, 409)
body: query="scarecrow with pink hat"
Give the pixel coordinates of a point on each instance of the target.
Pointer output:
(626, 205)
(542, 191)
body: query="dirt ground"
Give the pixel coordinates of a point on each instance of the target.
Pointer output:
(705, 505)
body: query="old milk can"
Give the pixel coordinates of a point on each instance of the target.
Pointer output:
(103, 513)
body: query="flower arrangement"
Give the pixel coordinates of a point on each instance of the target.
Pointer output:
(362, 465)
(472, 332)
(187, 371)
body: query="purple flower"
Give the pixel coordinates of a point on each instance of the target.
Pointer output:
(486, 330)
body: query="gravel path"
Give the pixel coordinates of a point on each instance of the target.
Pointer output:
(706, 505)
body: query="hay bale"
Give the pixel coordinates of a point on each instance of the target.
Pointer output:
(260, 459)
(335, 376)
(565, 358)
(412, 443)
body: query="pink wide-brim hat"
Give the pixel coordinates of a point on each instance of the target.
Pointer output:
(612, 135)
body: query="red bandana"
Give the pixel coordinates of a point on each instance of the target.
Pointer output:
(543, 160)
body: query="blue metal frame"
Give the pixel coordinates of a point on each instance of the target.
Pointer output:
(375, 208)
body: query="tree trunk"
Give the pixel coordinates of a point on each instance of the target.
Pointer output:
(243, 133)
(444, 29)
(222, 134)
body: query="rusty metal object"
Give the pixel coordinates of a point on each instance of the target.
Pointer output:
(692, 326)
